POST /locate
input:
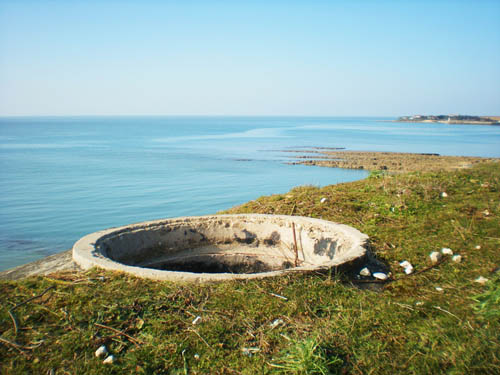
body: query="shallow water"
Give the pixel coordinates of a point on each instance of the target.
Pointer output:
(64, 177)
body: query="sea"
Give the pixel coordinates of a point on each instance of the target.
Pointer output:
(64, 177)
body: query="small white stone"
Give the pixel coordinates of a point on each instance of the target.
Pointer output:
(109, 359)
(439, 289)
(486, 213)
(405, 264)
(101, 351)
(419, 303)
(380, 276)
(365, 272)
(197, 320)
(481, 280)
(478, 247)
(323, 200)
(435, 256)
(275, 323)
(443, 194)
(197, 356)
(456, 258)
(249, 351)
(408, 270)
(446, 251)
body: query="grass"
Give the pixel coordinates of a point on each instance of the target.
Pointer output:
(328, 326)
(488, 302)
(308, 357)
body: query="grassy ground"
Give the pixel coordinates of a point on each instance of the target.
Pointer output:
(324, 326)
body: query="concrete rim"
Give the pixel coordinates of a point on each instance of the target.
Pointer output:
(87, 255)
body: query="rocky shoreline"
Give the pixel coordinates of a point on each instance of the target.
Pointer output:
(396, 162)
(53, 263)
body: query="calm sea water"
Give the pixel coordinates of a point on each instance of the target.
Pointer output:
(61, 178)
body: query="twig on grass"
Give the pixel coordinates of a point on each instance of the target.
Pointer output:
(19, 347)
(133, 340)
(15, 345)
(460, 232)
(446, 311)
(404, 306)
(201, 338)
(441, 261)
(11, 311)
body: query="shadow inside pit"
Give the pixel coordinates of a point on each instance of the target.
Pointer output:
(220, 264)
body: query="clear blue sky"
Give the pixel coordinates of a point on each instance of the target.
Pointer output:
(249, 57)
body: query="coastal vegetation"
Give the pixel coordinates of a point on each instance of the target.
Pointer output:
(436, 320)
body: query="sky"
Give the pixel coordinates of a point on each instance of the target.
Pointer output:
(255, 58)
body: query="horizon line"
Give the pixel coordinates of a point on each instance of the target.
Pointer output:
(188, 115)
(226, 115)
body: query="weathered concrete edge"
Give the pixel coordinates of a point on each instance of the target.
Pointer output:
(53, 263)
(87, 256)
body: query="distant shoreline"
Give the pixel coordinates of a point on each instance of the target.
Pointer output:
(452, 119)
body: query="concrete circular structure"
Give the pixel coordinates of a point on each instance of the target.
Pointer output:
(222, 247)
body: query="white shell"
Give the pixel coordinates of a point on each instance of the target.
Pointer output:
(365, 272)
(446, 251)
(481, 280)
(380, 275)
(456, 258)
(275, 323)
(443, 195)
(407, 266)
(439, 289)
(478, 247)
(435, 257)
(101, 351)
(249, 351)
(196, 320)
(109, 359)
(409, 270)
(323, 200)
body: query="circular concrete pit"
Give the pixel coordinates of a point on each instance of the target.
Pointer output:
(222, 247)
